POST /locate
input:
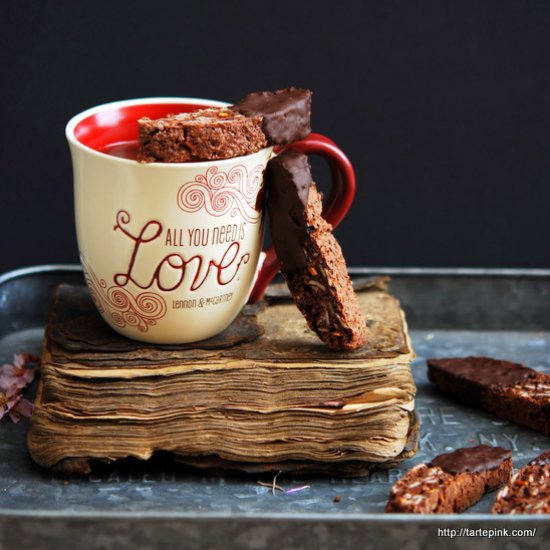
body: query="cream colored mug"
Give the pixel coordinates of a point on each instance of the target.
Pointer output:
(170, 252)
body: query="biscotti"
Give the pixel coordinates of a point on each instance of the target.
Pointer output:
(311, 259)
(286, 114)
(528, 491)
(512, 391)
(451, 482)
(259, 119)
(205, 134)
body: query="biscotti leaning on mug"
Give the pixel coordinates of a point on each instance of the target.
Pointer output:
(258, 120)
(311, 259)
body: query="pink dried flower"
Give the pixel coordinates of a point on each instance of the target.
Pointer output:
(15, 377)
(23, 407)
(297, 489)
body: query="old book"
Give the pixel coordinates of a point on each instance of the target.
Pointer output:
(263, 395)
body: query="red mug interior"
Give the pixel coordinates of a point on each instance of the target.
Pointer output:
(114, 131)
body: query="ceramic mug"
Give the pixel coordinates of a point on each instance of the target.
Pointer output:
(171, 251)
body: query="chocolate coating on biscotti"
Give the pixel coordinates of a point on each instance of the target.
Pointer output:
(286, 113)
(511, 391)
(471, 459)
(528, 491)
(484, 371)
(311, 259)
(289, 180)
(205, 134)
(433, 489)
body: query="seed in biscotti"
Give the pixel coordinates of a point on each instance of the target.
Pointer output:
(431, 479)
(317, 285)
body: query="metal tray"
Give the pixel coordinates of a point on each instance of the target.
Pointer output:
(501, 313)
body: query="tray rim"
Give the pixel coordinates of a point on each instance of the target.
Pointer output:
(339, 517)
(466, 272)
(367, 518)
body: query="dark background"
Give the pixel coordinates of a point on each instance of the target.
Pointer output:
(443, 107)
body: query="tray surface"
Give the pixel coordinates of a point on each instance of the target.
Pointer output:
(156, 487)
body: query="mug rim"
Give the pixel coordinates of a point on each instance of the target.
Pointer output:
(76, 119)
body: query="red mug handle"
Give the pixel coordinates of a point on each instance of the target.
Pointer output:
(335, 208)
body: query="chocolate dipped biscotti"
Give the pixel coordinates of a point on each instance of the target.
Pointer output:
(528, 491)
(451, 482)
(258, 120)
(286, 113)
(311, 259)
(512, 391)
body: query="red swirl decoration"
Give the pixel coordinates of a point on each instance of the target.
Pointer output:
(219, 192)
(122, 307)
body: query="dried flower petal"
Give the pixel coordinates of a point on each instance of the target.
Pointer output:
(13, 379)
(24, 407)
(297, 489)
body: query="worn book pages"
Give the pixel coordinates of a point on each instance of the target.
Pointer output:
(263, 395)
